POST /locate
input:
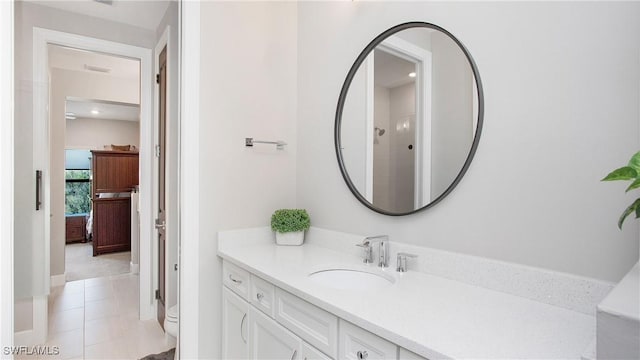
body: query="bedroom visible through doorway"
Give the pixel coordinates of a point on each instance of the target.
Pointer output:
(101, 135)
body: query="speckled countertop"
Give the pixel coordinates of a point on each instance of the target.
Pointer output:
(429, 315)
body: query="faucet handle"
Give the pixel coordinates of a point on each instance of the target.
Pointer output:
(368, 255)
(401, 262)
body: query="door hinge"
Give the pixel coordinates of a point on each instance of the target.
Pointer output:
(157, 78)
(157, 294)
(157, 150)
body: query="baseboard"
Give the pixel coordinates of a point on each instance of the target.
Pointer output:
(135, 268)
(58, 280)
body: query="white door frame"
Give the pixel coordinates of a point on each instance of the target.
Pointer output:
(6, 180)
(422, 160)
(43, 37)
(189, 187)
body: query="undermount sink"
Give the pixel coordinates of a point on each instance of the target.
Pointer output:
(353, 279)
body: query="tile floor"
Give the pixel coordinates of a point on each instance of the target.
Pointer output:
(98, 319)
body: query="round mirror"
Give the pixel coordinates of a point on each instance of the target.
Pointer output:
(409, 119)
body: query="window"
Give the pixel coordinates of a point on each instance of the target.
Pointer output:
(77, 190)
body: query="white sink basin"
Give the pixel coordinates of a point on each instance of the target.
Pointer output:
(351, 279)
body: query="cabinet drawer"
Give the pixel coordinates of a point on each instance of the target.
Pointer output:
(262, 295)
(358, 344)
(408, 355)
(314, 325)
(236, 279)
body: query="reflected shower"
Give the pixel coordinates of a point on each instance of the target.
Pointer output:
(377, 132)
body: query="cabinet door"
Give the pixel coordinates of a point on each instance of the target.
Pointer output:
(270, 340)
(311, 353)
(235, 311)
(114, 171)
(111, 225)
(358, 344)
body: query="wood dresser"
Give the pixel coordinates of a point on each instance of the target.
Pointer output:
(115, 175)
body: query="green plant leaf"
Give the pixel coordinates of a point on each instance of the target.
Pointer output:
(290, 220)
(633, 207)
(634, 185)
(634, 162)
(623, 173)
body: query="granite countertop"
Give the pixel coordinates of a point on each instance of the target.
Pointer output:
(429, 315)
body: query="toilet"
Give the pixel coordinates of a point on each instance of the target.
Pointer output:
(171, 321)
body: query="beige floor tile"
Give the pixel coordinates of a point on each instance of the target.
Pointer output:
(107, 326)
(66, 301)
(112, 350)
(147, 339)
(66, 320)
(100, 309)
(102, 330)
(99, 292)
(69, 344)
(96, 281)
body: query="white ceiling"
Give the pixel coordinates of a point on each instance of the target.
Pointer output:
(77, 60)
(145, 14)
(107, 110)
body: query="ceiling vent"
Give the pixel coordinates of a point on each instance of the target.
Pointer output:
(97, 69)
(106, 2)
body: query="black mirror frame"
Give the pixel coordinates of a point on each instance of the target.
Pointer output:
(343, 94)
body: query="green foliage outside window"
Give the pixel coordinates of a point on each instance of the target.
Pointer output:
(77, 193)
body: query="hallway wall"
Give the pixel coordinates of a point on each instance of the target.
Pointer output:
(27, 16)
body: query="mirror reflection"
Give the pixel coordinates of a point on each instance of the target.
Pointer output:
(409, 120)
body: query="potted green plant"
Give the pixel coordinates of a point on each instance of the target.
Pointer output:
(290, 225)
(631, 172)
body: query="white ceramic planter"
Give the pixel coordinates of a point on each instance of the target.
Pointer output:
(290, 238)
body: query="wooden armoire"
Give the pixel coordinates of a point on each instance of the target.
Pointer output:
(115, 175)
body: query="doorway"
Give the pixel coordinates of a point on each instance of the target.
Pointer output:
(119, 24)
(42, 39)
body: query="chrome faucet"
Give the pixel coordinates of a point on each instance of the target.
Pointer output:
(367, 258)
(383, 248)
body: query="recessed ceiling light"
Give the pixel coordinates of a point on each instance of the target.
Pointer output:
(412, 74)
(95, 112)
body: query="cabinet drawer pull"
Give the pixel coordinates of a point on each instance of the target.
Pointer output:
(293, 356)
(259, 296)
(241, 326)
(362, 355)
(235, 280)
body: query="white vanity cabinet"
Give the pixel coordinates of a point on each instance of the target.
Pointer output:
(262, 321)
(359, 344)
(270, 340)
(311, 353)
(235, 313)
(236, 279)
(262, 295)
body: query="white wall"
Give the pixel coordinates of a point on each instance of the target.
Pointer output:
(248, 89)
(93, 134)
(452, 112)
(559, 114)
(27, 16)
